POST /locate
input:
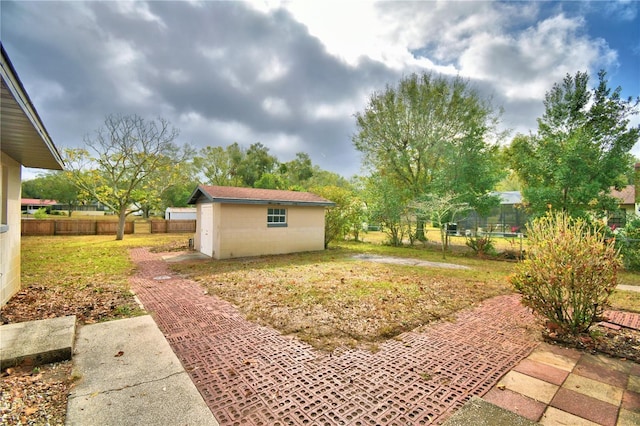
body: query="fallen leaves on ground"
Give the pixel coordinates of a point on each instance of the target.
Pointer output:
(35, 395)
(622, 343)
(89, 304)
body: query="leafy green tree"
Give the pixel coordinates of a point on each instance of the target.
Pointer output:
(441, 209)
(339, 218)
(54, 186)
(162, 188)
(256, 162)
(581, 148)
(120, 159)
(387, 206)
(429, 135)
(299, 170)
(325, 178)
(271, 181)
(220, 165)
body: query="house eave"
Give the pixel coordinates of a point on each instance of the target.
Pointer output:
(24, 136)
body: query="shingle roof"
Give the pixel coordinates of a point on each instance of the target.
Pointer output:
(627, 195)
(37, 202)
(231, 194)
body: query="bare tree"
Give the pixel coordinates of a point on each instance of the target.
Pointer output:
(121, 157)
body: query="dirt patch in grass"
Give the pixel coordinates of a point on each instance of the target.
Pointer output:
(330, 299)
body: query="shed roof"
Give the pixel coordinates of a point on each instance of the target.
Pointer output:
(180, 209)
(236, 195)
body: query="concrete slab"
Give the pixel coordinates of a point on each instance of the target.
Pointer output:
(185, 257)
(625, 287)
(38, 342)
(406, 261)
(478, 412)
(130, 376)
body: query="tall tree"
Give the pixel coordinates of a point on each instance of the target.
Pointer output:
(299, 170)
(256, 162)
(429, 135)
(581, 148)
(54, 186)
(220, 165)
(388, 206)
(441, 209)
(341, 218)
(169, 186)
(120, 158)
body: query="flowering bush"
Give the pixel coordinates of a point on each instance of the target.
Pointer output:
(569, 273)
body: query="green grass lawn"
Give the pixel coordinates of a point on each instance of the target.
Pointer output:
(327, 298)
(86, 276)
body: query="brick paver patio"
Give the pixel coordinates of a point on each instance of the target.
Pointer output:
(252, 375)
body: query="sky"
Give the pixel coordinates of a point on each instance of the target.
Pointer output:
(292, 75)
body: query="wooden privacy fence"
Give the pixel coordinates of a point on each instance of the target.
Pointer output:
(32, 227)
(173, 226)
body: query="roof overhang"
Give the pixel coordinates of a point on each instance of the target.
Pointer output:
(23, 136)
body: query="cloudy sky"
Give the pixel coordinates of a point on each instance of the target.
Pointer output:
(292, 74)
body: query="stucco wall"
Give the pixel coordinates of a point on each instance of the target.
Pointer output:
(241, 230)
(10, 181)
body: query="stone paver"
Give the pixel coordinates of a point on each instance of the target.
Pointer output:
(584, 406)
(252, 375)
(528, 386)
(596, 390)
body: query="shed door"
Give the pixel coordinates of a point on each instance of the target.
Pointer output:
(206, 229)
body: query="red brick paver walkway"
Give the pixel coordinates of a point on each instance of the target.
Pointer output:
(252, 375)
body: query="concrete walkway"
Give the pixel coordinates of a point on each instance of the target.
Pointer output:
(128, 375)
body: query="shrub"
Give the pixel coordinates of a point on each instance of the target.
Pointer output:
(481, 245)
(41, 213)
(569, 273)
(628, 242)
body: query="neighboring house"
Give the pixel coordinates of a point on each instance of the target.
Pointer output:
(239, 222)
(180, 213)
(24, 141)
(627, 207)
(32, 205)
(508, 218)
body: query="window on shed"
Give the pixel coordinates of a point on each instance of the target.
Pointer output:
(276, 217)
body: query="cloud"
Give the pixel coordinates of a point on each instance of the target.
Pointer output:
(525, 65)
(288, 74)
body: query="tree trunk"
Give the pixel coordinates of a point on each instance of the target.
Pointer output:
(121, 222)
(420, 221)
(443, 238)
